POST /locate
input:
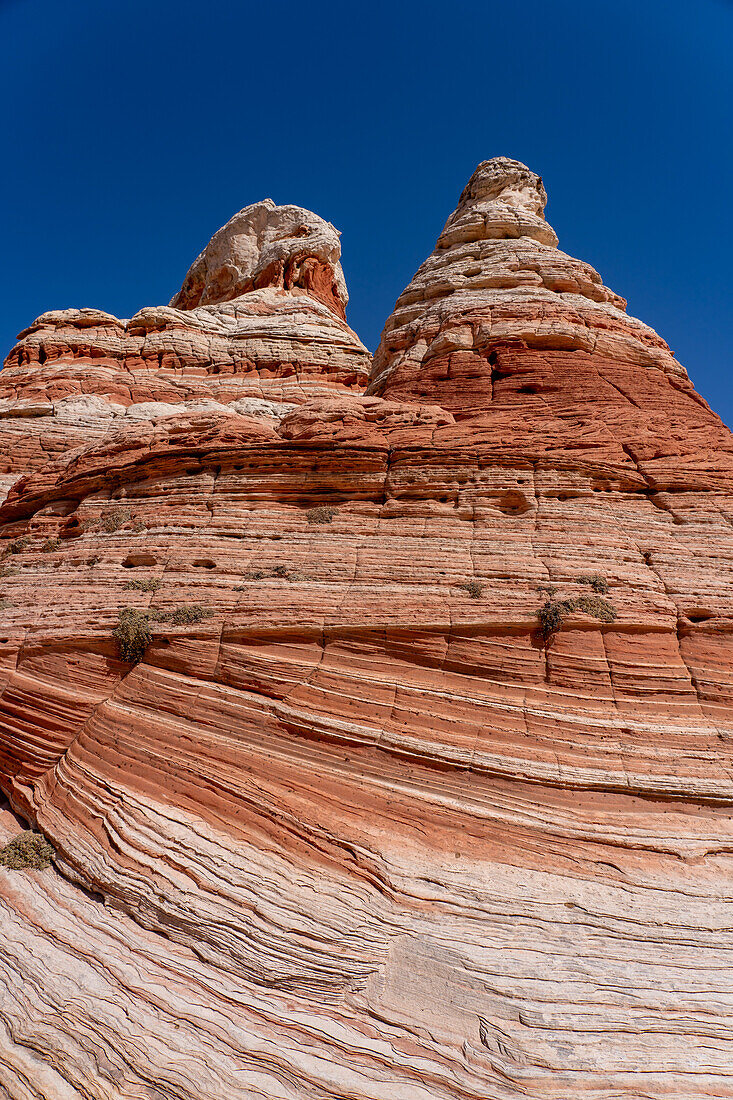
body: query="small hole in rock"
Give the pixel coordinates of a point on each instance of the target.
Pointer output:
(133, 560)
(513, 503)
(699, 615)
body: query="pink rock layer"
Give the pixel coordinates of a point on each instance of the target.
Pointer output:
(359, 830)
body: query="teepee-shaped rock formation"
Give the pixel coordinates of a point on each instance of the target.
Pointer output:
(497, 285)
(383, 740)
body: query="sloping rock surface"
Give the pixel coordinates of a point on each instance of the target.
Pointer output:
(354, 826)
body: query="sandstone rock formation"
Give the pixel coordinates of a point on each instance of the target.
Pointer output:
(257, 328)
(352, 826)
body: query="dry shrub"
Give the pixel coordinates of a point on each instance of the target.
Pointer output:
(553, 612)
(596, 606)
(28, 849)
(321, 514)
(132, 634)
(144, 584)
(474, 588)
(193, 613)
(17, 546)
(270, 573)
(596, 582)
(112, 521)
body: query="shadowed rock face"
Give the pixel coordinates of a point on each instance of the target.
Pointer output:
(353, 826)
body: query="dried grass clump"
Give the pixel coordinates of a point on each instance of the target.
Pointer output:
(265, 574)
(144, 584)
(553, 612)
(551, 615)
(133, 634)
(182, 616)
(596, 606)
(112, 521)
(321, 514)
(17, 546)
(271, 573)
(50, 545)
(28, 849)
(596, 582)
(474, 588)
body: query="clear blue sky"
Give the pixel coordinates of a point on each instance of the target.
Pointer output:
(132, 129)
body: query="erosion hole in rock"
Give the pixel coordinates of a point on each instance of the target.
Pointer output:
(514, 503)
(699, 614)
(204, 563)
(132, 561)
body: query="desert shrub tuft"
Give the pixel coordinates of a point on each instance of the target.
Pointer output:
(474, 588)
(553, 612)
(17, 546)
(193, 613)
(321, 514)
(50, 545)
(144, 584)
(596, 582)
(596, 606)
(28, 849)
(132, 634)
(112, 521)
(551, 615)
(271, 572)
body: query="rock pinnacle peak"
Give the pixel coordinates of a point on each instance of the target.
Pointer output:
(268, 245)
(503, 198)
(496, 277)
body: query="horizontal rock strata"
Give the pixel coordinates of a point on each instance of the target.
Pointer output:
(353, 826)
(497, 284)
(273, 339)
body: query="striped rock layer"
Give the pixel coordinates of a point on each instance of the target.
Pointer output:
(257, 328)
(353, 827)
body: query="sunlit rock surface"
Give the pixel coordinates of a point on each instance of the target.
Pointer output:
(257, 328)
(356, 828)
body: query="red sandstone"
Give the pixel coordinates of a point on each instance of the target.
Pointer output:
(356, 832)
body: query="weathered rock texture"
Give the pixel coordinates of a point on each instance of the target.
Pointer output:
(352, 832)
(257, 328)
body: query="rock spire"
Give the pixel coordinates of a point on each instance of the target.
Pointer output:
(496, 281)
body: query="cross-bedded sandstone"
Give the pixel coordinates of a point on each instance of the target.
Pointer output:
(360, 829)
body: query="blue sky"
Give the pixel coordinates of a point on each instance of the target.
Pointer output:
(131, 130)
